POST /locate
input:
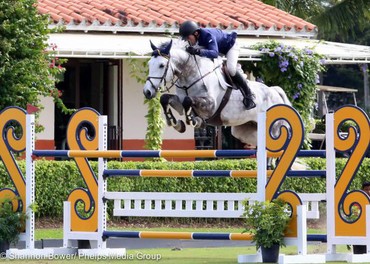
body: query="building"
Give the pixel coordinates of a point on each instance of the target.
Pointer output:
(102, 37)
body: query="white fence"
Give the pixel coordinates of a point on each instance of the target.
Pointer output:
(207, 205)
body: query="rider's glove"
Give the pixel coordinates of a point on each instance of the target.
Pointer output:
(193, 51)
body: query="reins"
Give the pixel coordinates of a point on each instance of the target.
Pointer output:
(173, 81)
(201, 78)
(186, 88)
(215, 119)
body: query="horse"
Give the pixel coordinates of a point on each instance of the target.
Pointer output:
(203, 93)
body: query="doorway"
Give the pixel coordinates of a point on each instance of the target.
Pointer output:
(90, 83)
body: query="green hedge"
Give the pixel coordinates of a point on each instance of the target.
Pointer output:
(56, 179)
(320, 126)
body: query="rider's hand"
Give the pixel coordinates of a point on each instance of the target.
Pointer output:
(192, 50)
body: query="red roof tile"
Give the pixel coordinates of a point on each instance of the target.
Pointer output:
(236, 14)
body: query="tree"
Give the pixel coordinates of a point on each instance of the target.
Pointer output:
(300, 8)
(340, 19)
(336, 19)
(27, 69)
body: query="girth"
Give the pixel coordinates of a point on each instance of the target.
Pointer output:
(215, 119)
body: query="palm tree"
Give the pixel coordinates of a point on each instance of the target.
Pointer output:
(336, 19)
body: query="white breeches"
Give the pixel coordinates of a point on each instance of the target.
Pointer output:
(232, 59)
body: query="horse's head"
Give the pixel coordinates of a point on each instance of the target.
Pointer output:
(159, 72)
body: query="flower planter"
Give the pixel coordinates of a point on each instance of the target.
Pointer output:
(4, 246)
(271, 254)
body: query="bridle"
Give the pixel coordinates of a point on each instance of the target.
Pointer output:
(157, 52)
(162, 78)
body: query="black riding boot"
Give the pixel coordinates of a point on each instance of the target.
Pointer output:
(241, 82)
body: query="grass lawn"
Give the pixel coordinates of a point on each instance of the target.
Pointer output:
(167, 256)
(57, 233)
(223, 255)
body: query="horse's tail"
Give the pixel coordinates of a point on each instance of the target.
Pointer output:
(282, 94)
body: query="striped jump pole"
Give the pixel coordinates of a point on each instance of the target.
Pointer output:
(177, 235)
(206, 173)
(166, 153)
(195, 235)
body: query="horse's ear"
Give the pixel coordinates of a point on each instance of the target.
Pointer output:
(152, 45)
(167, 49)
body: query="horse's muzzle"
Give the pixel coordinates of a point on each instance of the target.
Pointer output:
(148, 94)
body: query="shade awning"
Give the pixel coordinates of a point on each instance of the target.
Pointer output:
(335, 52)
(78, 45)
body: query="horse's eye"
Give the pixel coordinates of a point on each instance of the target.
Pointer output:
(161, 66)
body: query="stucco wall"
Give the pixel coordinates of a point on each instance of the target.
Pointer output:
(134, 111)
(47, 119)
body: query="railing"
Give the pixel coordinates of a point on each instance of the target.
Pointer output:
(203, 205)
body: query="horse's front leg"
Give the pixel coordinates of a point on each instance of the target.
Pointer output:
(190, 116)
(168, 100)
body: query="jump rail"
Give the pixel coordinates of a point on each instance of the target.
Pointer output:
(167, 153)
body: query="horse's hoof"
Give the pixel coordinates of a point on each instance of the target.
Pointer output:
(171, 122)
(180, 126)
(189, 120)
(196, 122)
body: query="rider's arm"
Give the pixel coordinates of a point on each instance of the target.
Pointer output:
(209, 42)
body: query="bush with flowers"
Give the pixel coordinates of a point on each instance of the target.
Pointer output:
(295, 70)
(29, 68)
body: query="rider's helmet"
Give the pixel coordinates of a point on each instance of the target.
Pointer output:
(188, 28)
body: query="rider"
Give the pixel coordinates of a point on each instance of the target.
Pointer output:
(216, 42)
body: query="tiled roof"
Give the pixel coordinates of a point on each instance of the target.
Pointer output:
(249, 17)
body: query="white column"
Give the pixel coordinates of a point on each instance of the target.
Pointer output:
(330, 183)
(261, 156)
(102, 184)
(30, 181)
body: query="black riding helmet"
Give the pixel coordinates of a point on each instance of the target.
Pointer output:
(188, 28)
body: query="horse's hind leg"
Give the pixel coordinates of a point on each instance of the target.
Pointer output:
(166, 101)
(190, 117)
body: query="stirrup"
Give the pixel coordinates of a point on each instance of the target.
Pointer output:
(249, 103)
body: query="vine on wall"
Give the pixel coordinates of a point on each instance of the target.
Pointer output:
(295, 70)
(153, 136)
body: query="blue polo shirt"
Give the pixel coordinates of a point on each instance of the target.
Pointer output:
(215, 41)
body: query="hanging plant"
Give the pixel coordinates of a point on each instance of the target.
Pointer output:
(153, 136)
(295, 70)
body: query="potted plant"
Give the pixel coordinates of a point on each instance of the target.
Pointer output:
(11, 224)
(267, 221)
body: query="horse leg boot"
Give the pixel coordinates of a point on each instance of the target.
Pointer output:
(191, 119)
(245, 90)
(178, 125)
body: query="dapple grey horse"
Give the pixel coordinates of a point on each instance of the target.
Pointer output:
(203, 94)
